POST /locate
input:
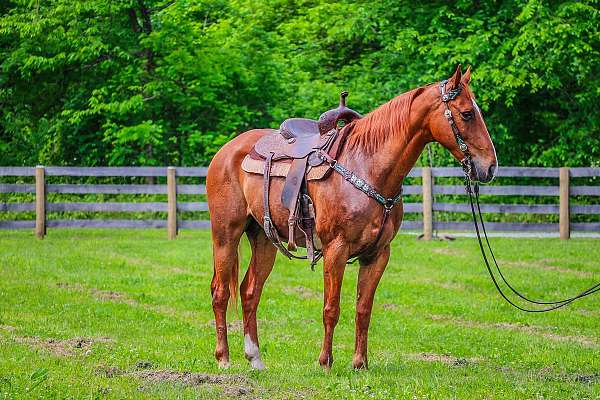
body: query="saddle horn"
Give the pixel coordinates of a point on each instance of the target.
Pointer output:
(329, 120)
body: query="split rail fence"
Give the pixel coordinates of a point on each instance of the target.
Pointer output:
(428, 189)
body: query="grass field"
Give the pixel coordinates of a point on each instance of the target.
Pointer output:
(127, 314)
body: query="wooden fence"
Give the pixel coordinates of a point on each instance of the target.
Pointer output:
(428, 189)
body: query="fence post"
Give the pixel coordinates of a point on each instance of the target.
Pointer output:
(40, 202)
(171, 203)
(427, 203)
(564, 220)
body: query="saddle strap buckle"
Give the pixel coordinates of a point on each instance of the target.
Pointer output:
(326, 158)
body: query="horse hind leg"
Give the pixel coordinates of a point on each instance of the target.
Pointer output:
(226, 238)
(222, 287)
(261, 265)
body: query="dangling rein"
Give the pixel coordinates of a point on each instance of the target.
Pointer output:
(472, 189)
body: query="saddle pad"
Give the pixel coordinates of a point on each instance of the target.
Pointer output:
(281, 168)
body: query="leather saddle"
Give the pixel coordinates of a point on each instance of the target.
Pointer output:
(297, 142)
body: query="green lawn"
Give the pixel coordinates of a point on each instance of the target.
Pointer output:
(127, 314)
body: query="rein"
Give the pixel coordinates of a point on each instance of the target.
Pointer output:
(472, 188)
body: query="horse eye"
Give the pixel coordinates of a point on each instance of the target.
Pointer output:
(467, 115)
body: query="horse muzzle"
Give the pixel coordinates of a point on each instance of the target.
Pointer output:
(484, 172)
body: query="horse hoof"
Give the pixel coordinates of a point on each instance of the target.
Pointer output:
(360, 365)
(223, 364)
(257, 364)
(326, 362)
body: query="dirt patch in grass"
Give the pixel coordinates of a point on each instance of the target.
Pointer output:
(118, 297)
(534, 330)
(445, 358)
(588, 313)
(234, 326)
(447, 251)
(588, 379)
(108, 372)
(109, 295)
(104, 295)
(441, 284)
(233, 385)
(144, 364)
(64, 348)
(301, 291)
(549, 374)
(584, 341)
(70, 286)
(546, 265)
(7, 328)
(390, 306)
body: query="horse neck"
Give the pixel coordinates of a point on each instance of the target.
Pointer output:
(386, 166)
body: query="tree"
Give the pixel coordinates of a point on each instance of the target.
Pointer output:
(149, 82)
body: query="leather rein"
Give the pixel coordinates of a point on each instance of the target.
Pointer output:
(472, 188)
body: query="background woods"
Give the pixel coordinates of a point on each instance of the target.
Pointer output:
(145, 82)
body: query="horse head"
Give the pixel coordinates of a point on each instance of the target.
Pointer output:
(457, 124)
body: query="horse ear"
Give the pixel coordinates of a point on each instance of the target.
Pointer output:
(466, 78)
(455, 80)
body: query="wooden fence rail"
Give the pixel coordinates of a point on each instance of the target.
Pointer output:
(428, 189)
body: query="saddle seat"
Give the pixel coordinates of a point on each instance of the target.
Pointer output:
(296, 138)
(297, 143)
(298, 128)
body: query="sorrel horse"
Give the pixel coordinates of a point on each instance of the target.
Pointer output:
(381, 148)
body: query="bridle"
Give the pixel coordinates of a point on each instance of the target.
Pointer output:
(472, 188)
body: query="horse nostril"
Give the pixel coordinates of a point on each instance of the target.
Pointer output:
(491, 171)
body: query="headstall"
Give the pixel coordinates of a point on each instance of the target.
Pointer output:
(472, 188)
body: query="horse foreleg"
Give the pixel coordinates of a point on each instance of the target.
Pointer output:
(368, 278)
(261, 265)
(335, 257)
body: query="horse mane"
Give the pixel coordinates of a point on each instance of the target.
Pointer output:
(387, 121)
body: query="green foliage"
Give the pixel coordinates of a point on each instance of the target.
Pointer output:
(155, 82)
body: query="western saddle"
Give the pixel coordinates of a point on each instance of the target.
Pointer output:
(298, 143)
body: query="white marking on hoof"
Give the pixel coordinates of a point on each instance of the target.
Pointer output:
(253, 353)
(223, 364)
(257, 364)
